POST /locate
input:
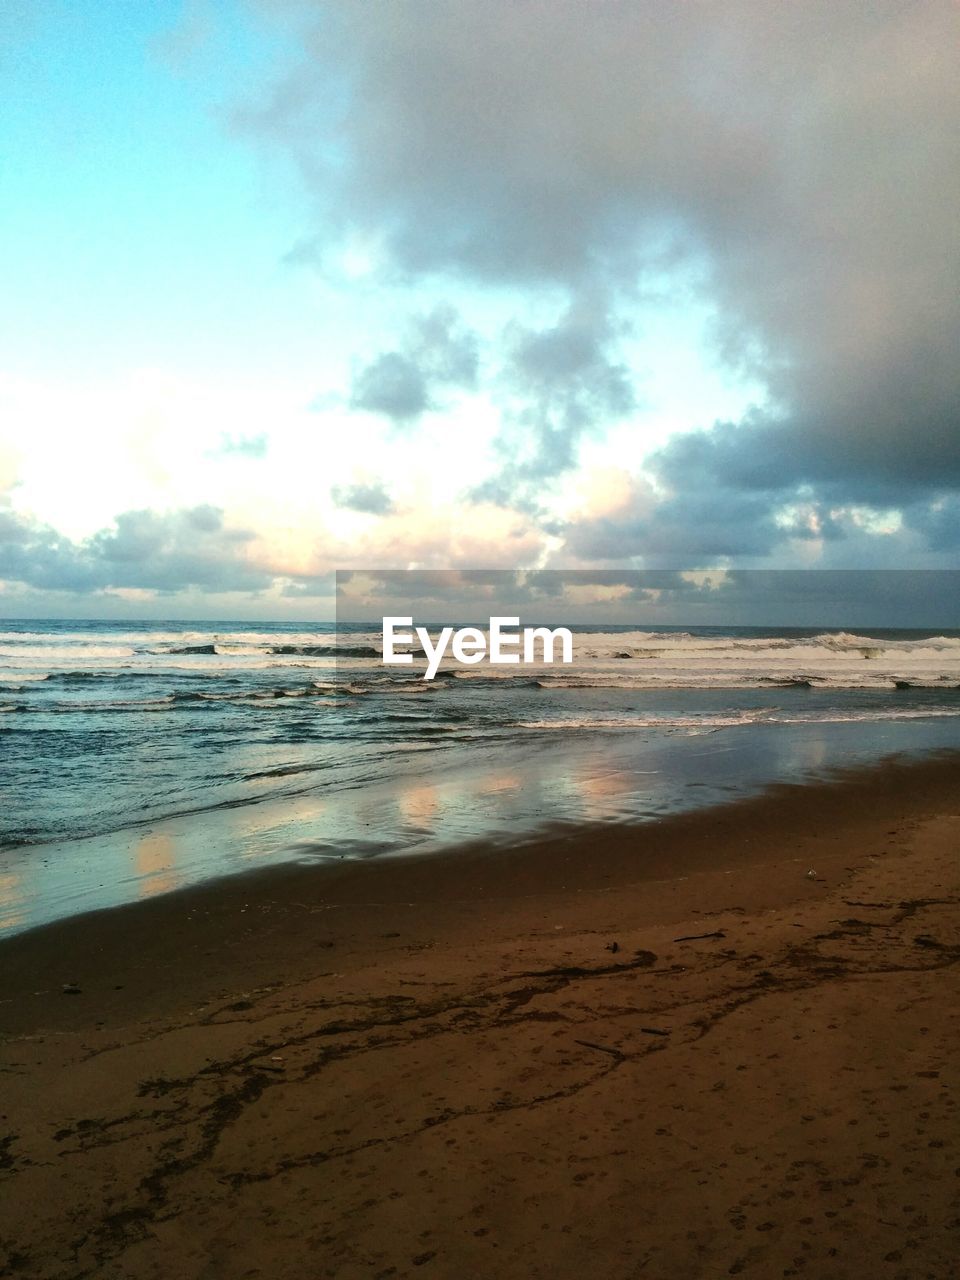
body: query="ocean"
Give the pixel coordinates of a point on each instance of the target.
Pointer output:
(139, 757)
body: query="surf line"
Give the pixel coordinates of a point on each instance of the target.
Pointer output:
(500, 644)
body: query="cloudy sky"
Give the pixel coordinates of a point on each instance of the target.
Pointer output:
(298, 285)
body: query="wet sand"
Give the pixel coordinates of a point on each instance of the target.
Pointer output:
(661, 1051)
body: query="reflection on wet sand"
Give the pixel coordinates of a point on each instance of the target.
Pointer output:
(477, 803)
(460, 806)
(11, 901)
(419, 804)
(602, 795)
(496, 783)
(494, 796)
(155, 863)
(253, 837)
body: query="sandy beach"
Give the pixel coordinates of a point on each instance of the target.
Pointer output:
(660, 1051)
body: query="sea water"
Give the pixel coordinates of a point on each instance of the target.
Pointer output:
(139, 757)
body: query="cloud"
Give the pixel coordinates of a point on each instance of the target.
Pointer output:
(243, 446)
(708, 524)
(437, 535)
(392, 385)
(445, 349)
(201, 550)
(561, 383)
(802, 162)
(699, 527)
(166, 552)
(938, 522)
(437, 352)
(369, 499)
(793, 597)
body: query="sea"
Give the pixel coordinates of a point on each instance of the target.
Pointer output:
(139, 757)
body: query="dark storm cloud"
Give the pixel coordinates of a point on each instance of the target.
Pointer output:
(694, 529)
(370, 499)
(724, 495)
(939, 522)
(437, 352)
(803, 159)
(706, 525)
(143, 549)
(878, 597)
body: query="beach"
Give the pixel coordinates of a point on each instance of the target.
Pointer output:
(719, 1043)
(480, 641)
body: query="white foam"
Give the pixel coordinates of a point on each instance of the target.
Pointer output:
(756, 716)
(635, 659)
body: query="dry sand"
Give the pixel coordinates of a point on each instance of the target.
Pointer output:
(659, 1052)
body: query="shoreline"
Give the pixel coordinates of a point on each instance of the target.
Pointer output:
(379, 778)
(651, 1051)
(283, 905)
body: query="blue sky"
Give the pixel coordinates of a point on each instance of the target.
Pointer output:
(137, 228)
(295, 286)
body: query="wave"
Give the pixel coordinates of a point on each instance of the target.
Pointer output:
(397, 688)
(328, 650)
(180, 698)
(649, 722)
(759, 715)
(70, 676)
(281, 771)
(116, 677)
(228, 649)
(705, 679)
(252, 696)
(635, 659)
(55, 652)
(492, 674)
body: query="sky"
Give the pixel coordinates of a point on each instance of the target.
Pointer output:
(293, 286)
